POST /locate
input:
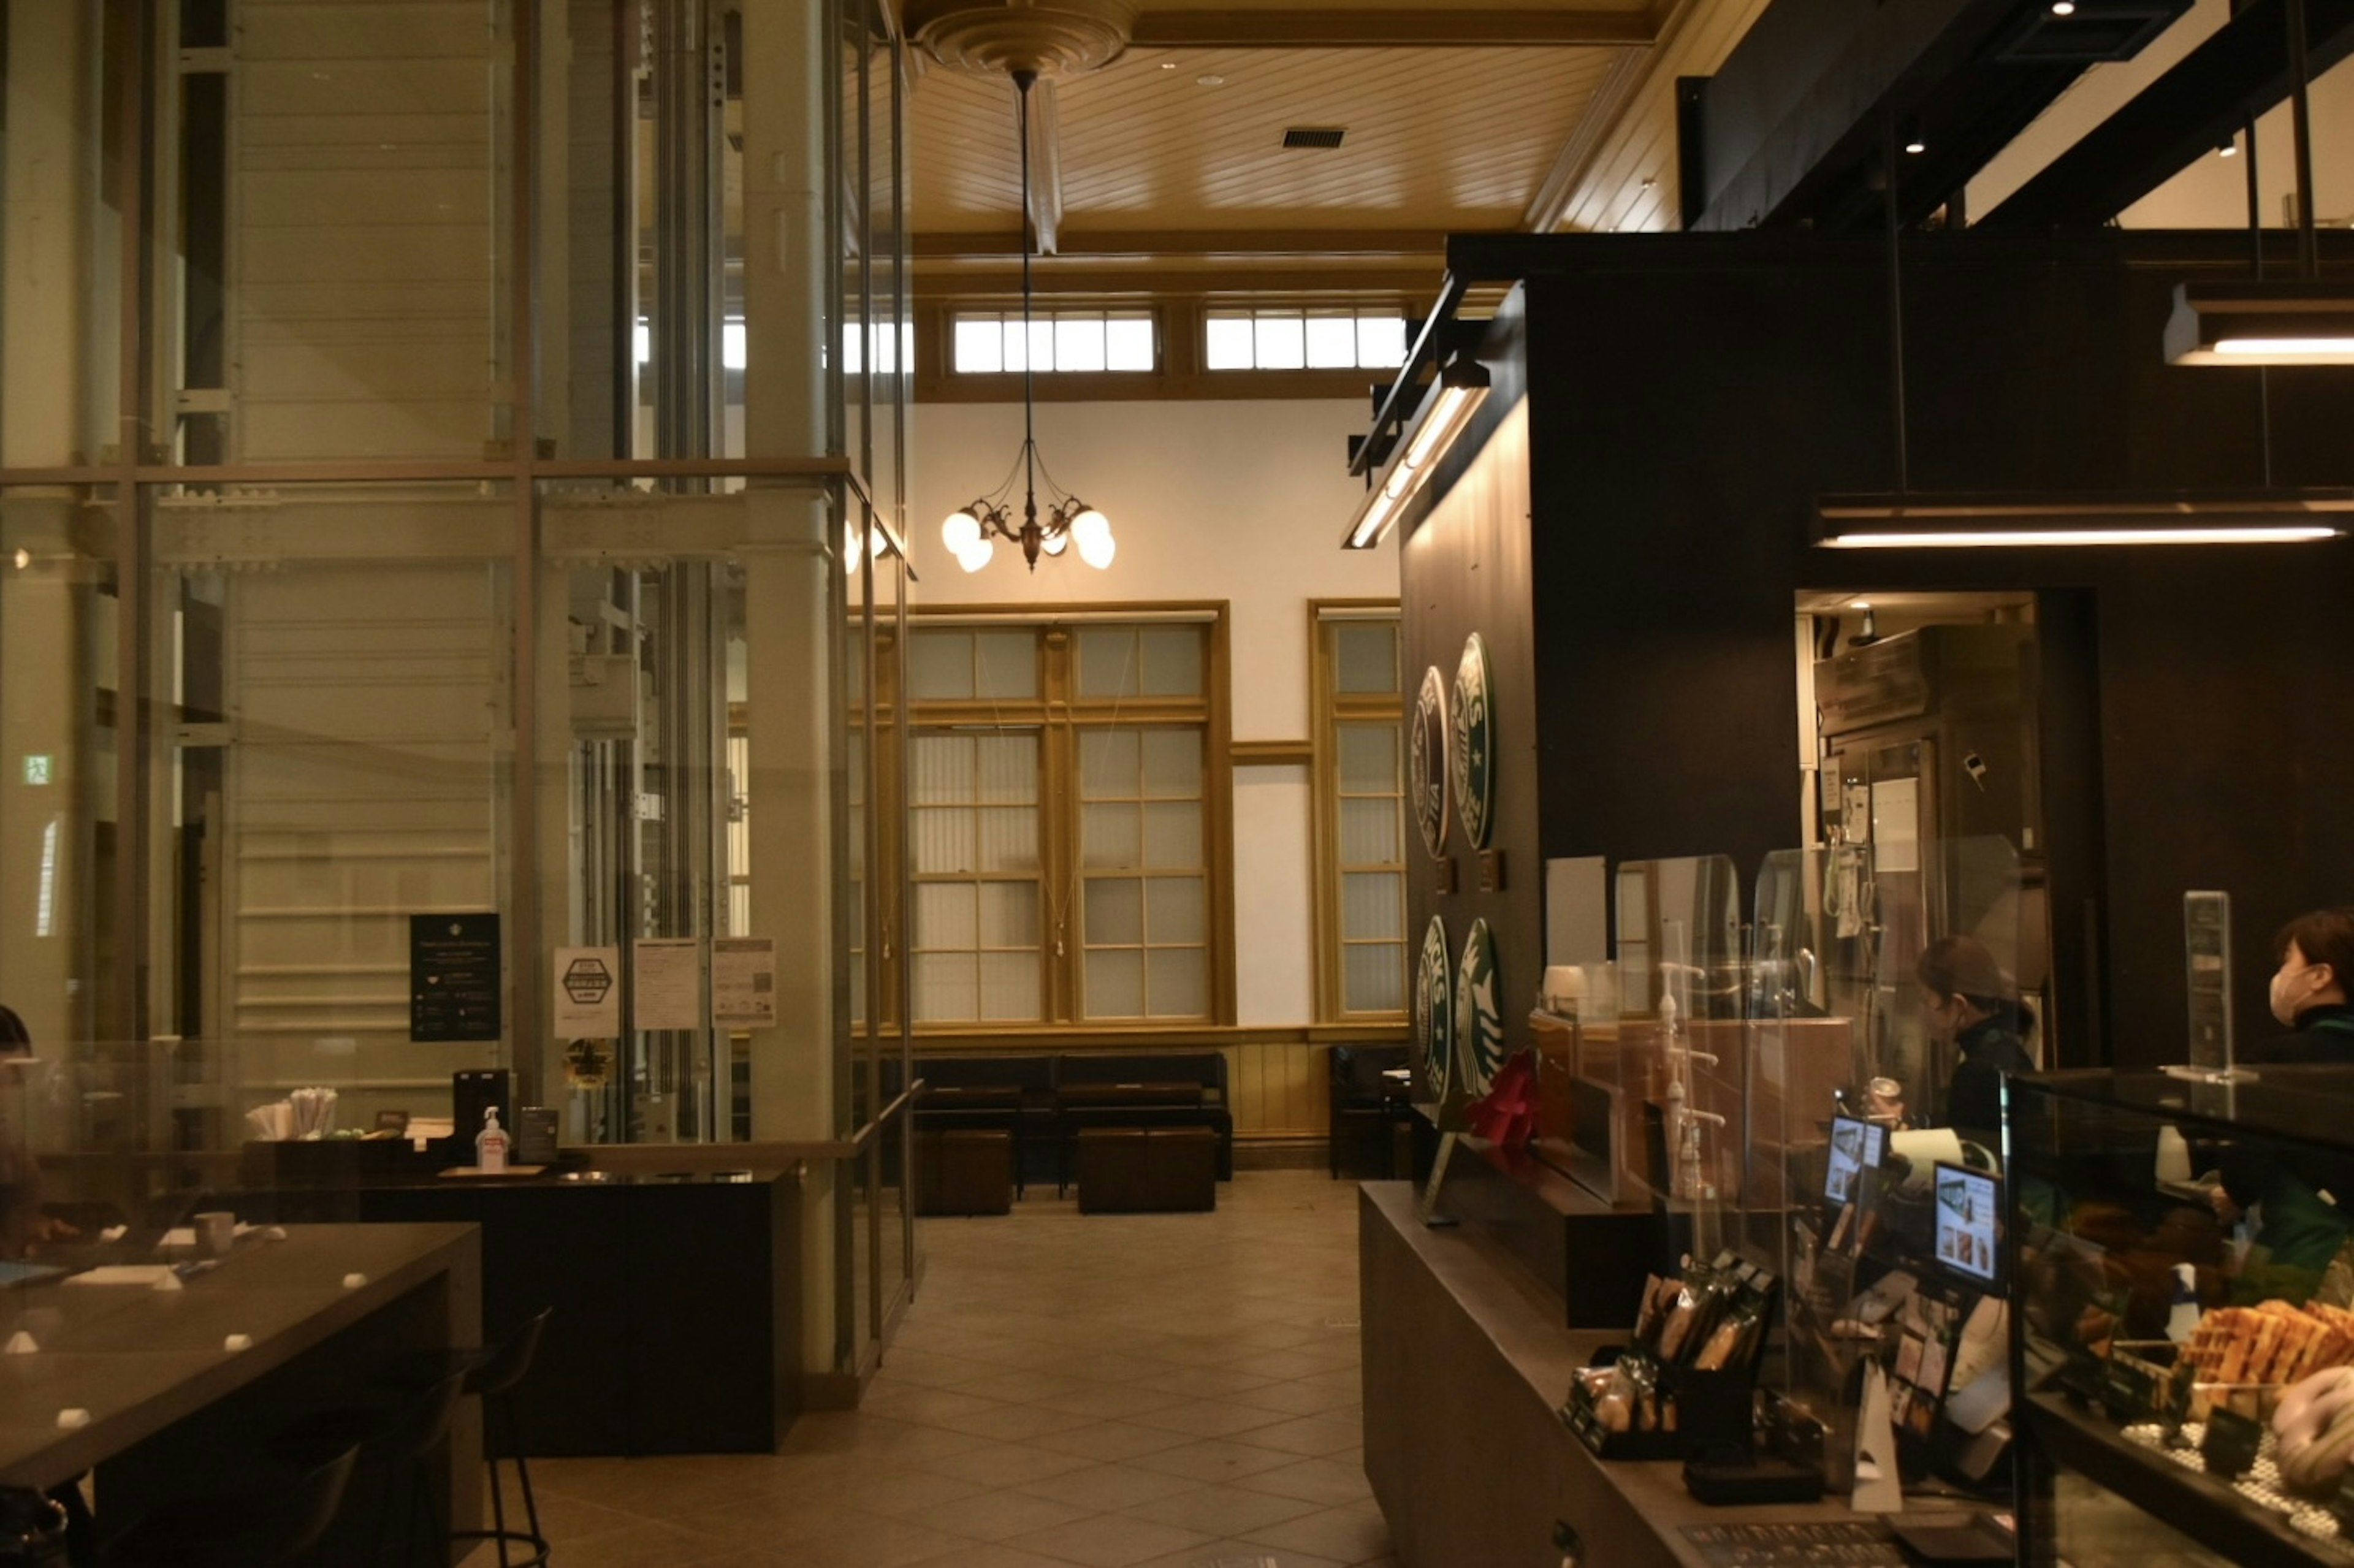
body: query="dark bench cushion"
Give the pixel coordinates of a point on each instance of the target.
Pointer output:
(1157, 1171)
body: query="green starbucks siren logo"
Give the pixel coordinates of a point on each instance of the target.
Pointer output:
(1434, 1008)
(1426, 772)
(1472, 758)
(1478, 1015)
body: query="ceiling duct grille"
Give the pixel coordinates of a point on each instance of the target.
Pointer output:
(1312, 137)
(2096, 32)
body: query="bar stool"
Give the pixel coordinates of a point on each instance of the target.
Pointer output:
(245, 1529)
(496, 1374)
(393, 1437)
(493, 1373)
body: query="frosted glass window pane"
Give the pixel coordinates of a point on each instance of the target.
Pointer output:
(1181, 982)
(1009, 987)
(1366, 656)
(1280, 342)
(1127, 345)
(1373, 978)
(1110, 838)
(1042, 343)
(1369, 833)
(1173, 835)
(1371, 905)
(979, 345)
(1172, 764)
(1006, 664)
(1109, 763)
(739, 910)
(1009, 768)
(1107, 662)
(1369, 764)
(946, 915)
(943, 840)
(942, 770)
(1175, 910)
(1230, 344)
(1115, 984)
(1009, 915)
(1171, 657)
(1331, 343)
(1007, 839)
(940, 665)
(947, 988)
(1381, 341)
(1079, 344)
(1016, 351)
(1115, 912)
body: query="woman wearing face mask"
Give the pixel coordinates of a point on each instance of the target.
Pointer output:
(1970, 1002)
(2308, 990)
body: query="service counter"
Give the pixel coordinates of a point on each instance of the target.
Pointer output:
(1465, 1361)
(677, 1294)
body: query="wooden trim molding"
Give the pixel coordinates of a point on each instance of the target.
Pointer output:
(1274, 752)
(1033, 1039)
(1384, 27)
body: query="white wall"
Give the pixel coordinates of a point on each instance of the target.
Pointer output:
(1244, 501)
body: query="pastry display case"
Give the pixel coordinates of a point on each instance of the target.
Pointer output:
(2182, 1345)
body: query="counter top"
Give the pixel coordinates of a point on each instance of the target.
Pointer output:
(139, 1359)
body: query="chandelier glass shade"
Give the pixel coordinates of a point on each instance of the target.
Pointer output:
(973, 531)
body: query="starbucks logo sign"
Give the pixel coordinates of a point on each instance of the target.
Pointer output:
(1479, 1012)
(1434, 1010)
(1472, 756)
(1426, 769)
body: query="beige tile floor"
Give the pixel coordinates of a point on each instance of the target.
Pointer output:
(1149, 1391)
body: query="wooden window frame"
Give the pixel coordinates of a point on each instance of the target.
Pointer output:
(1058, 713)
(1330, 708)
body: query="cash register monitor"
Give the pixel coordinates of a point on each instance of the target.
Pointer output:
(1969, 1235)
(1856, 1146)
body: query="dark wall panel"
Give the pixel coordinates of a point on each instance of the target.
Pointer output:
(1691, 396)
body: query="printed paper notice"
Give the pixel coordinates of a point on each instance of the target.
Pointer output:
(587, 993)
(666, 984)
(743, 982)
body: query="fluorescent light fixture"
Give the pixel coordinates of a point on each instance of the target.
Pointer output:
(2290, 322)
(2010, 522)
(1446, 408)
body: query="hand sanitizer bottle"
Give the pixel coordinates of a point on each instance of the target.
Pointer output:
(490, 1143)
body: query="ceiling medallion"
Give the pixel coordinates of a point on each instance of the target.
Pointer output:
(1049, 38)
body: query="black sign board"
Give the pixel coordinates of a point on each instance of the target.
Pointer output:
(453, 976)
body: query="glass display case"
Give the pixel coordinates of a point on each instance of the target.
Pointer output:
(2182, 1348)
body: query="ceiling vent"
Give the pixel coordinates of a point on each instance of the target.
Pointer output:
(1311, 136)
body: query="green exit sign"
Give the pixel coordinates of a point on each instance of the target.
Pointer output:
(36, 768)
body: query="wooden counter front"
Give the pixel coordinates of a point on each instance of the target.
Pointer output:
(1465, 1362)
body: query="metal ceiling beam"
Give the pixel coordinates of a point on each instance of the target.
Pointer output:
(2232, 78)
(1382, 28)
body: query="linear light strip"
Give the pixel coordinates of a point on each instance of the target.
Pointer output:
(2078, 538)
(1451, 411)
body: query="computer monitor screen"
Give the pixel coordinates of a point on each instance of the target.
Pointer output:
(1969, 1213)
(1856, 1145)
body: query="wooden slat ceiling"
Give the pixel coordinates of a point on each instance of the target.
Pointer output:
(1438, 139)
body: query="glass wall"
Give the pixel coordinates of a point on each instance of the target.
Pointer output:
(429, 437)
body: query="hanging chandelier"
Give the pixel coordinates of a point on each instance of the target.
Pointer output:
(973, 530)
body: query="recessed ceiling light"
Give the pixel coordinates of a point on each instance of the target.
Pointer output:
(2064, 7)
(1859, 604)
(1168, 65)
(1649, 181)
(1210, 81)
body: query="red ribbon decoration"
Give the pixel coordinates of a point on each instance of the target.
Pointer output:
(1507, 1116)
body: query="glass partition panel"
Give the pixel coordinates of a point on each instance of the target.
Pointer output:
(1886, 1010)
(1680, 1035)
(61, 188)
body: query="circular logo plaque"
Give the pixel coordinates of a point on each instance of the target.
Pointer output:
(1472, 756)
(1427, 767)
(1478, 1016)
(1434, 1008)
